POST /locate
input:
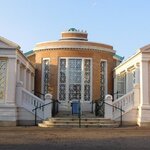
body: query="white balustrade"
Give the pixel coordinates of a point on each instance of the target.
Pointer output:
(108, 107)
(125, 103)
(29, 101)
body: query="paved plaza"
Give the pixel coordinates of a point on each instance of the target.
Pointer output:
(35, 138)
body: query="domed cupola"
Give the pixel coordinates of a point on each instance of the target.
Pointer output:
(74, 34)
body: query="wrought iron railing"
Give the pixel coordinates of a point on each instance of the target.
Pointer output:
(101, 106)
(42, 107)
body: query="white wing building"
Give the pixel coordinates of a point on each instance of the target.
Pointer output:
(132, 87)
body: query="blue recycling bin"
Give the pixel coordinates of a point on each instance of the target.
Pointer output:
(75, 106)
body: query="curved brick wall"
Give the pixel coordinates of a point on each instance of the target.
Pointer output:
(54, 56)
(73, 48)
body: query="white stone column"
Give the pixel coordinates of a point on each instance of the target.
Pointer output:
(127, 80)
(19, 87)
(115, 87)
(28, 80)
(8, 111)
(108, 107)
(130, 81)
(30, 83)
(48, 108)
(24, 77)
(18, 71)
(11, 81)
(21, 73)
(144, 81)
(137, 74)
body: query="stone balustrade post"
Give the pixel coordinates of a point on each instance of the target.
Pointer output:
(19, 93)
(108, 108)
(136, 95)
(48, 108)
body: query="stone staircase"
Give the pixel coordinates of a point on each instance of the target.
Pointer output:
(66, 119)
(73, 122)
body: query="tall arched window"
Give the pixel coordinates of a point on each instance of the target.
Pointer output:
(103, 79)
(75, 79)
(45, 75)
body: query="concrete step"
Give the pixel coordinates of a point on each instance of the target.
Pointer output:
(77, 125)
(64, 114)
(74, 122)
(76, 119)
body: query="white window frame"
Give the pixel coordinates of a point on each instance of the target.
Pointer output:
(106, 75)
(121, 79)
(42, 83)
(82, 78)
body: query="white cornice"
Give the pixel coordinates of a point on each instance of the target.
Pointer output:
(73, 44)
(76, 41)
(9, 43)
(25, 61)
(145, 48)
(75, 47)
(129, 63)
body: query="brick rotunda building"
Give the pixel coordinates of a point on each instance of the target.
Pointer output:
(74, 68)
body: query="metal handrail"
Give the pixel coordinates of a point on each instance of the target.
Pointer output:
(36, 92)
(42, 106)
(121, 110)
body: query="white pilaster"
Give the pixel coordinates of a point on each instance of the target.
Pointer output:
(137, 74)
(24, 77)
(11, 81)
(30, 83)
(130, 81)
(28, 80)
(144, 83)
(127, 81)
(115, 87)
(144, 107)
(21, 73)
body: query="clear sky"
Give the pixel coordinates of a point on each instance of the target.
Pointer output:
(124, 24)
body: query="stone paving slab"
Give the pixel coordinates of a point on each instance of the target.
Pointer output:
(35, 138)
